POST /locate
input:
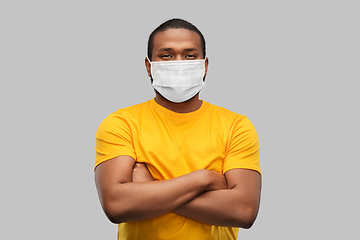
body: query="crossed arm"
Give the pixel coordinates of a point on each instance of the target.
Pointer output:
(128, 193)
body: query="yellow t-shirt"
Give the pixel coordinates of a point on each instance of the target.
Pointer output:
(173, 144)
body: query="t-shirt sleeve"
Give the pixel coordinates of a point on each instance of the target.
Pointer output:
(113, 138)
(243, 146)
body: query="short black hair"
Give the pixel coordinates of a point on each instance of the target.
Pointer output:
(174, 24)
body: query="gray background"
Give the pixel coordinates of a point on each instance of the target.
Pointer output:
(291, 66)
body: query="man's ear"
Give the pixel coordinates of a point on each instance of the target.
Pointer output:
(148, 66)
(206, 66)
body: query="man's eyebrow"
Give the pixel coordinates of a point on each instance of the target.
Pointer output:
(191, 49)
(165, 49)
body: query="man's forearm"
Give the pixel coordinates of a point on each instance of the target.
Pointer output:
(234, 207)
(221, 208)
(135, 201)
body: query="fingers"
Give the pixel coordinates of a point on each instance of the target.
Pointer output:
(141, 173)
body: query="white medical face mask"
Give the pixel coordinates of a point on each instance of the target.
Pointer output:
(178, 81)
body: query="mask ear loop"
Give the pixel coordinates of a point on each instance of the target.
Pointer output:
(148, 60)
(152, 80)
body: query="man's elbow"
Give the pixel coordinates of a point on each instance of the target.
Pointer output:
(114, 213)
(116, 219)
(246, 219)
(247, 224)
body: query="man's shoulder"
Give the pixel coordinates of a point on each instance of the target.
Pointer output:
(133, 109)
(127, 114)
(224, 112)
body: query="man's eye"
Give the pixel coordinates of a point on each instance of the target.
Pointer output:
(166, 56)
(190, 56)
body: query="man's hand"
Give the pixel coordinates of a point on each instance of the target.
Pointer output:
(217, 181)
(141, 173)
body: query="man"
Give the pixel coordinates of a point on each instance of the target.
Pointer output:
(177, 167)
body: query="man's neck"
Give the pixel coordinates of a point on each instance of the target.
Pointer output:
(190, 105)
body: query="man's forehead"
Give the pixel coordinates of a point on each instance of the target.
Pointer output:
(177, 37)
